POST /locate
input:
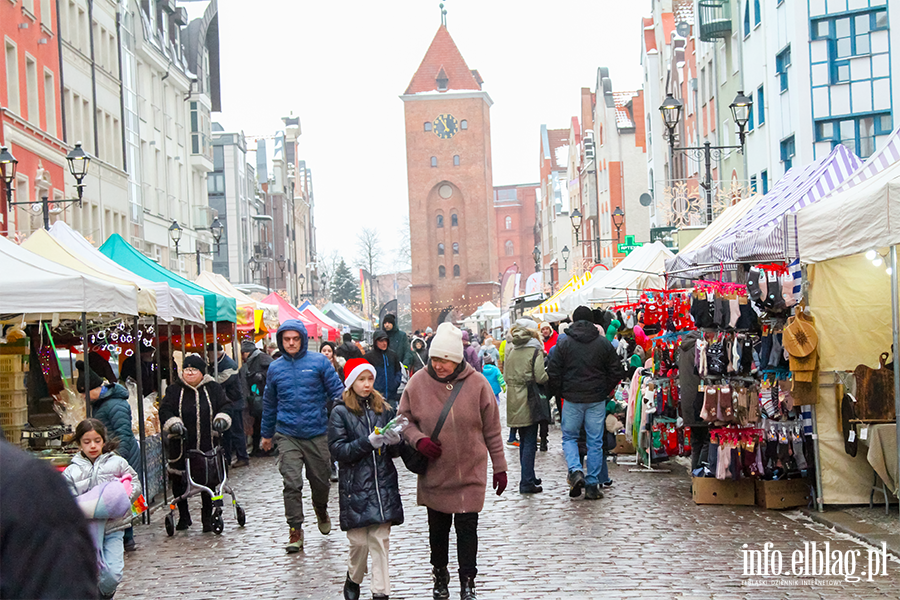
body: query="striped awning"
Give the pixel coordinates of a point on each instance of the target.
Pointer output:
(550, 306)
(763, 233)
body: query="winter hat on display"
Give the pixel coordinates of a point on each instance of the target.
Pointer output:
(583, 313)
(447, 343)
(248, 346)
(354, 368)
(193, 361)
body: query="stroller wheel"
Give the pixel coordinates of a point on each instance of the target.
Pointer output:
(241, 516)
(218, 524)
(170, 525)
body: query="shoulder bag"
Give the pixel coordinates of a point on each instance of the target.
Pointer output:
(414, 460)
(538, 403)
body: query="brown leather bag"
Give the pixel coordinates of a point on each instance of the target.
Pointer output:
(875, 392)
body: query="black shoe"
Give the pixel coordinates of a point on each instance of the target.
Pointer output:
(379, 597)
(183, 523)
(351, 590)
(467, 587)
(593, 492)
(530, 489)
(543, 445)
(576, 483)
(537, 481)
(207, 526)
(241, 462)
(608, 483)
(441, 583)
(129, 545)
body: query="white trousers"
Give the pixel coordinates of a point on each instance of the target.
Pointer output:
(370, 540)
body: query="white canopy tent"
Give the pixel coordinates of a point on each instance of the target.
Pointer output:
(171, 303)
(642, 269)
(42, 289)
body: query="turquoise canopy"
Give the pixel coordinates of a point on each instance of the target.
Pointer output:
(216, 307)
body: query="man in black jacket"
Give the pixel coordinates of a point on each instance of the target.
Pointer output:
(584, 370)
(233, 439)
(388, 370)
(347, 349)
(254, 371)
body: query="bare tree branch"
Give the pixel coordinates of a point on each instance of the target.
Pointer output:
(369, 253)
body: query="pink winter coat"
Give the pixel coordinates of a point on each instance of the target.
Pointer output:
(455, 482)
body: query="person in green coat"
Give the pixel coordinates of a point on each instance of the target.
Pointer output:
(524, 365)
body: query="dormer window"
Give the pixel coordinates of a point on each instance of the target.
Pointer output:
(442, 80)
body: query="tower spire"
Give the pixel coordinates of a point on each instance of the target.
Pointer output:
(443, 15)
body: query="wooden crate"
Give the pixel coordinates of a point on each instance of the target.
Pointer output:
(709, 490)
(785, 493)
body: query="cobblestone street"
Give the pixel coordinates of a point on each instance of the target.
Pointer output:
(645, 539)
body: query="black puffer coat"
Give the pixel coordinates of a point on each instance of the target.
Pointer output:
(180, 405)
(584, 368)
(369, 492)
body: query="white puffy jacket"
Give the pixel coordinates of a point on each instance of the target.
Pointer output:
(82, 475)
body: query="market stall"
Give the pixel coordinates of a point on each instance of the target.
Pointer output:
(253, 316)
(287, 312)
(342, 314)
(549, 310)
(642, 269)
(328, 328)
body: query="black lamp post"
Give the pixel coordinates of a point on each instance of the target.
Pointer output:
(618, 218)
(176, 231)
(671, 109)
(301, 278)
(565, 255)
(255, 265)
(79, 162)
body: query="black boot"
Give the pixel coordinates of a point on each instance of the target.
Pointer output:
(441, 583)
(351, 590)
(184, 516)
(467, 587)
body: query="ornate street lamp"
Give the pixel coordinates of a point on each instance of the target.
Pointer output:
(671, 111)
(740, 111)
(618, 218)
(565, 255)
(79, 162)
(8, 164)
(575, 217)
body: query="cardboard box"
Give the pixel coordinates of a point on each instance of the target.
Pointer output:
(623, 446)
(709, 490)
(786, 493)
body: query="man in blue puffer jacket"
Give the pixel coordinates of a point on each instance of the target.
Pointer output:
(299, 387)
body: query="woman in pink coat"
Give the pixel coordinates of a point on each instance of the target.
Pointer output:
(453, 487)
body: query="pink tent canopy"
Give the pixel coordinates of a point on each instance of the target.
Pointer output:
(286, 312)
(328, 331)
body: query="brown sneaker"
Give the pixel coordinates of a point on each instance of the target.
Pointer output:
(296, 542)
(323, 520)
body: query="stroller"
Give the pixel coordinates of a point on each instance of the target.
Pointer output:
(205, 472)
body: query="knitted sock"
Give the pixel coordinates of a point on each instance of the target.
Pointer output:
(797, 447)
(734, 312)
(754, 278)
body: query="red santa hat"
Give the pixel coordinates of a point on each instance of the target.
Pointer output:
(354, 368)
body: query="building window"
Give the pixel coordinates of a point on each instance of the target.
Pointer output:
(764, 179)
(442, 271)
(427, 125)
(12, 78)
(456, 160)
(750, 124)
(753, 184)
(454, 220)
(788, 151)
(455, 247)
(508, 222)
(456, 270)
(746, 18)
(761, 103)
(848, 36)
(440, 249)
(857, 134)
(509, 248)
(463, 124)
(434, 161)
(782, 62)
(440, 221)
(757, 13)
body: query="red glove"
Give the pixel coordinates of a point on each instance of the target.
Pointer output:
(499, 482)
(431, 450)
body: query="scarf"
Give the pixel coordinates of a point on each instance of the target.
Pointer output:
(452, 376)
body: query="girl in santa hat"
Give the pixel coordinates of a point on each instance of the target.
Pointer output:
(369, 492)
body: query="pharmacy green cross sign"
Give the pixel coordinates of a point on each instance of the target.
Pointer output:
(628, 245)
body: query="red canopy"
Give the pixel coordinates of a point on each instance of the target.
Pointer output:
(328, 331)
(286, 312)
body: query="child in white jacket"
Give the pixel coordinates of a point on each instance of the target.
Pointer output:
(108, 508)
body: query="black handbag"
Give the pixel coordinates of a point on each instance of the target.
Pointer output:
(414, 460)
(538, 402)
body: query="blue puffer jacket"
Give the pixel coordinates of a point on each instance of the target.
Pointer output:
(298, 390)
(113, 410)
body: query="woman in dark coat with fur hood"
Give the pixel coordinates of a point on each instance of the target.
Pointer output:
(369, 491)
(194, 412)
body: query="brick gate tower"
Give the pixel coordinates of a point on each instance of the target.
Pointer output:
(448, 158)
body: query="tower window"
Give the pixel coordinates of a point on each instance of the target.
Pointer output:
(434, 161)
(463, 124)
(509, 222)
(510, 250)
(454, 220)
(440, 221)
(456, 160)
(442, 271)
(440, 249)
(427, 125)
(456, 270)
(455, 247)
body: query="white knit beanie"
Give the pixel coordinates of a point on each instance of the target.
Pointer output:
(447, 343)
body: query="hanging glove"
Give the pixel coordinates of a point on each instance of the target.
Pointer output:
(177, 429)
(431, 450)
(221, 423)
(500, 482)
(376, 439)
(392, 437)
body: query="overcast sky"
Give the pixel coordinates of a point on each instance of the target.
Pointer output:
(340, 67)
